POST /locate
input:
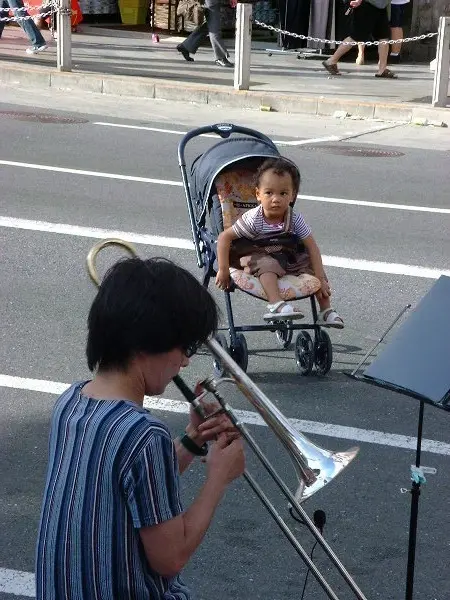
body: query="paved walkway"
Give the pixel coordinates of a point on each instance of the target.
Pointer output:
(128, 63)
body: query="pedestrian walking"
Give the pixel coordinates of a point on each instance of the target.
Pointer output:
(211, 26)
(26, 22)
(397, 22)
(368, 18)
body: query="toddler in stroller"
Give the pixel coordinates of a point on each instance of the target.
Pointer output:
(257, 246)
(246, 244)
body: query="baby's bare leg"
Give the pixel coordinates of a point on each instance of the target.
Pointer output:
(269, 281)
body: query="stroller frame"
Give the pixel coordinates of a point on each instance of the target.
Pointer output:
(310, 352)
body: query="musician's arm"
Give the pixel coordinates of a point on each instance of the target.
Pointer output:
(183, 455)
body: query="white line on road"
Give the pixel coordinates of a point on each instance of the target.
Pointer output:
(185, 244)
(18, 583)
(252, 418)
(412, 208)
(330, 138)
(12, 163)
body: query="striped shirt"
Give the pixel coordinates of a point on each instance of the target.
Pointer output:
(112, 469)
(252, 225)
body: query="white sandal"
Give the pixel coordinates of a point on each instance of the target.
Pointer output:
(282, 311)
(330, 318)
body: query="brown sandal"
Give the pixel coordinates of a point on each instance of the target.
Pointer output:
(386, 74)
(332, 69)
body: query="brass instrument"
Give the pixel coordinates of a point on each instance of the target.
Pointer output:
(314, 466)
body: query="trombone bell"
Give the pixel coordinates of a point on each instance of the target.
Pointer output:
(315, 466)
(325, 465)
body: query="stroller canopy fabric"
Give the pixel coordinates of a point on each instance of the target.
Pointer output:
(211, 163)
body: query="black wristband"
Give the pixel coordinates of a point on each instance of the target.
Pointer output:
(192, 447)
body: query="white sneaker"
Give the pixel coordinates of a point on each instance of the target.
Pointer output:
(36, 49)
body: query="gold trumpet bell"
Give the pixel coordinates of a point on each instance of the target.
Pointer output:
(325, 465)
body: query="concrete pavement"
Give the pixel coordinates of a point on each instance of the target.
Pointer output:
(46, 295)
(127, 63)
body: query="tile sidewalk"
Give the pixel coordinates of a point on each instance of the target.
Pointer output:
(127, 63)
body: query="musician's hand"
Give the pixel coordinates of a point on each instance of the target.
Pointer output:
(223, 279)
(204, 431)
(226, 460)
(355, 3)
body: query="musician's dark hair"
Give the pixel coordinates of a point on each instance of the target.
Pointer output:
(150, 306)
(280, 166)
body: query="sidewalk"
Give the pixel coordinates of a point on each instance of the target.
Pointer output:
(121, 62)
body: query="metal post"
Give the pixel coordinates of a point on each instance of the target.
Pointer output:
(64, 36)
(243, 46)
(441, 75)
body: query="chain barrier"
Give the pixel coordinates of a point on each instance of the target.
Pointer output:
(341, 42)
(42, 15)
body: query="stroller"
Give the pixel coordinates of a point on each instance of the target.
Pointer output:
(218, 189)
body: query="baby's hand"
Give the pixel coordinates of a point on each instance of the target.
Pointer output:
(223, 279)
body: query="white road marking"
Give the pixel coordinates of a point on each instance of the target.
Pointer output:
(96, 233)
(252, 418)
(156, 129)
(12, 163)
(412, 208)
(18, 583)
(331, 138)
(185, 244)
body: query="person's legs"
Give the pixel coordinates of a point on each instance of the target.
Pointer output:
(397, 34)
(381, 32)
(3, 4)
(360, 57)
(396, 23)
(383, 53)
(269, 281)
(192, 42)
(340, 52)
(215, 36)
(28, 25)
(359, 31)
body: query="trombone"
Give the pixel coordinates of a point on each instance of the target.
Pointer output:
(314, 466)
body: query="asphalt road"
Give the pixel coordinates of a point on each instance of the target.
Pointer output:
(45, 295)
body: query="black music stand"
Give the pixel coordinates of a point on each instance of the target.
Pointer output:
(416, 363)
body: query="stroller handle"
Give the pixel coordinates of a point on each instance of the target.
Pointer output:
(224, 130)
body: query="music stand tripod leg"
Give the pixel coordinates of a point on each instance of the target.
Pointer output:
(415, 493)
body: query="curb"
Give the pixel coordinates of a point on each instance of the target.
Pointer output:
(214, 95)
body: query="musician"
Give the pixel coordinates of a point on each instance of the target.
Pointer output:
(112, 523)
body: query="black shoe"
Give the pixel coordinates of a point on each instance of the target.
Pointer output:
(223, 62)
(394, 59)
(182, 50)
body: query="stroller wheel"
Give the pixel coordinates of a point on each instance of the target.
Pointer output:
(239, 352)
(284, 337)
(219, 370)
(323, 352)
(304, 353)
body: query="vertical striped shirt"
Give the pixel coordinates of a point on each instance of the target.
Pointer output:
(112, 470)
(252, 225)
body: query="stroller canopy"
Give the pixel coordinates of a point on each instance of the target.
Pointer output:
(226, 153)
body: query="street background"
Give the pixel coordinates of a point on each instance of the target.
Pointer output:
(127, 63)
(48, 219)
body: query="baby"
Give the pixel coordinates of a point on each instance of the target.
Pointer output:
(277, 184)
